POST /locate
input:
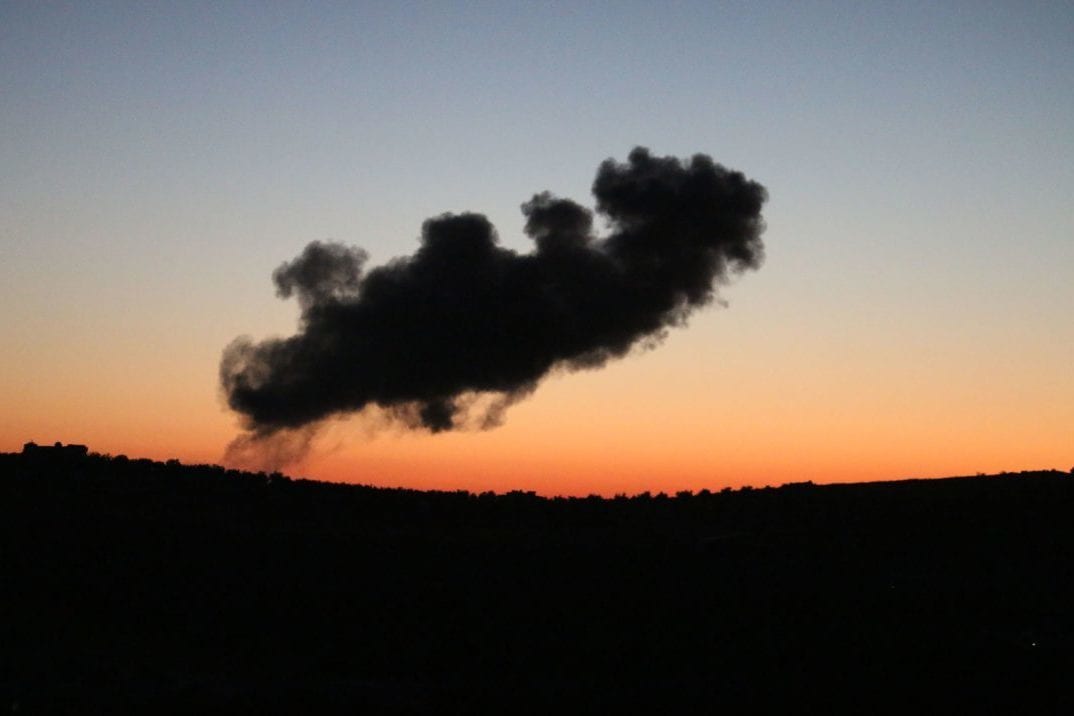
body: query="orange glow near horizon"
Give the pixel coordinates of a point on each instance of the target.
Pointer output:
(719, 404)
(686, 423)
(553, 464)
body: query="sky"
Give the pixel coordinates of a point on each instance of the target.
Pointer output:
(912, 317)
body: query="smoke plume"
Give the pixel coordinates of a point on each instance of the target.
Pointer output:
(451, 336)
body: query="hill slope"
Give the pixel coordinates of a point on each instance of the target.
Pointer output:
(161, 586)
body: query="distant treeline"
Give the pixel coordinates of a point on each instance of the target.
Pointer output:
(131, 584)
(76, 461)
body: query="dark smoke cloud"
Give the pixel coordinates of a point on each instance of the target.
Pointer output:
(451, 336)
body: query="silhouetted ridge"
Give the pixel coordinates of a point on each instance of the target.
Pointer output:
(137, 586)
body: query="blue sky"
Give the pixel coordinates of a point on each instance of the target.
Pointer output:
(160, 159)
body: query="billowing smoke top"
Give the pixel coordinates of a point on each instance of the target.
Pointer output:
(450, 336)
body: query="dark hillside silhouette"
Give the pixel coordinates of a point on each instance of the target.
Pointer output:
(133, 585)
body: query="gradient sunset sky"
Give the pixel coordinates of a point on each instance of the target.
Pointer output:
(913, 317)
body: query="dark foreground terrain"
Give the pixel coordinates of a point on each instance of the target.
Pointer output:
(137, 586)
